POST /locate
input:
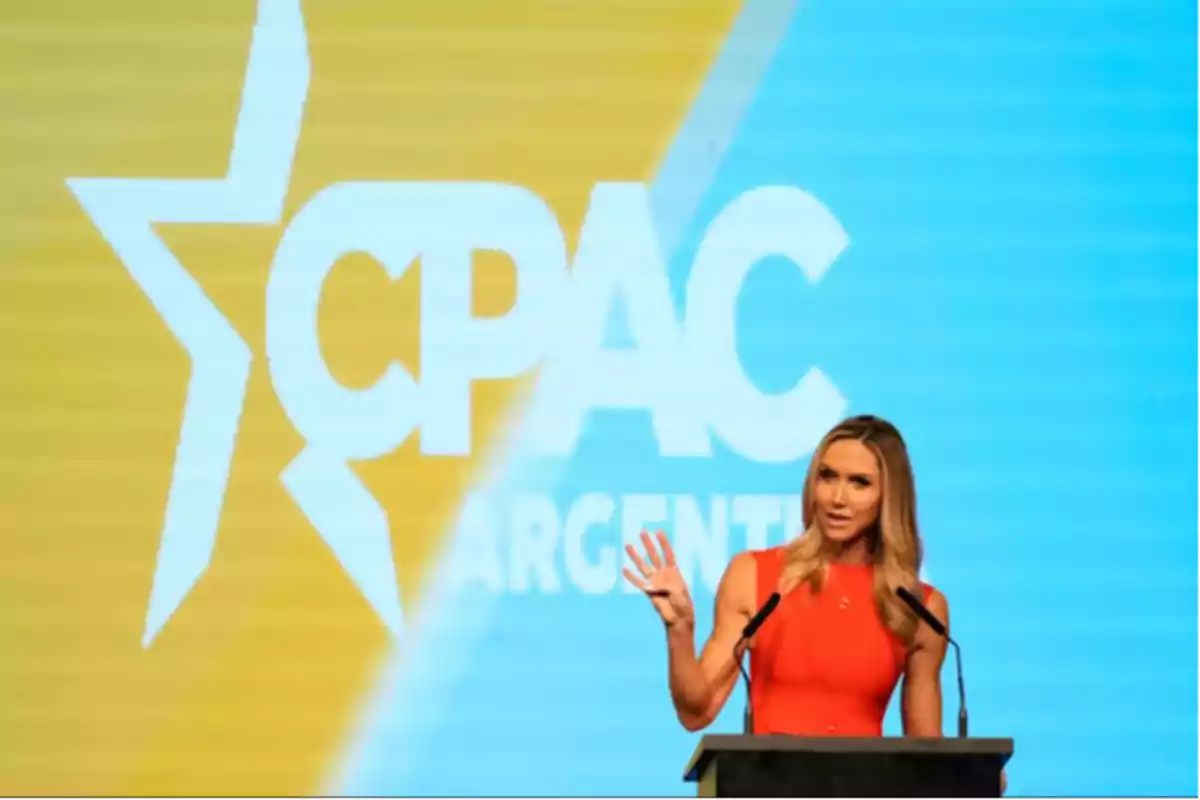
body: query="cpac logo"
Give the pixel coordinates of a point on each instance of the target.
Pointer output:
(685, 373)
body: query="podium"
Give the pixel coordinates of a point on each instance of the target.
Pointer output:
(797, 766)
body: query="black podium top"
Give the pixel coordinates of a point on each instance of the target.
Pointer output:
(714, 744)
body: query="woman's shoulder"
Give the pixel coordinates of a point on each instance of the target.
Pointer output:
(928, 591)
(767, 555)
(749, 567)
(757, 557)
(934, 600)
(931, 594)
(759, 564)
(744, 566)
(756, 572)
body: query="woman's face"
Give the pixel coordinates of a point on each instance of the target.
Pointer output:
(848, 490)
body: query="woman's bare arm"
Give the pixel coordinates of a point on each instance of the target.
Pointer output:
(700, 687)
(921, 697)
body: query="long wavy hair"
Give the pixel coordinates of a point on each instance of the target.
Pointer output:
(893, 540)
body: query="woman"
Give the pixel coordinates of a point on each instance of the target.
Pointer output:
(827, 661)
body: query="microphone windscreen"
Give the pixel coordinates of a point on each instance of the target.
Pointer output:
(921, 611)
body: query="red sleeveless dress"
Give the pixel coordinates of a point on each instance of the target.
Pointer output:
(823, 664)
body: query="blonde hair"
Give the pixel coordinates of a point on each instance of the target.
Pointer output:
(894, 541)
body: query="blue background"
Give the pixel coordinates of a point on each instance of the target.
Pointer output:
(1018, 181)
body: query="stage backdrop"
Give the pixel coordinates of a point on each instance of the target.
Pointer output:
(344, 343)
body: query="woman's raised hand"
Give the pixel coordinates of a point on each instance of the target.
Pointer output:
(661, 581)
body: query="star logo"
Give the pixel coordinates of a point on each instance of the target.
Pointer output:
(251, 193)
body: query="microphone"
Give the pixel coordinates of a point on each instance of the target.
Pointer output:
(936, 624)
(758, 619)
(752, 628)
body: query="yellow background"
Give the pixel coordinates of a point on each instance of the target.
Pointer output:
(253, 685)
